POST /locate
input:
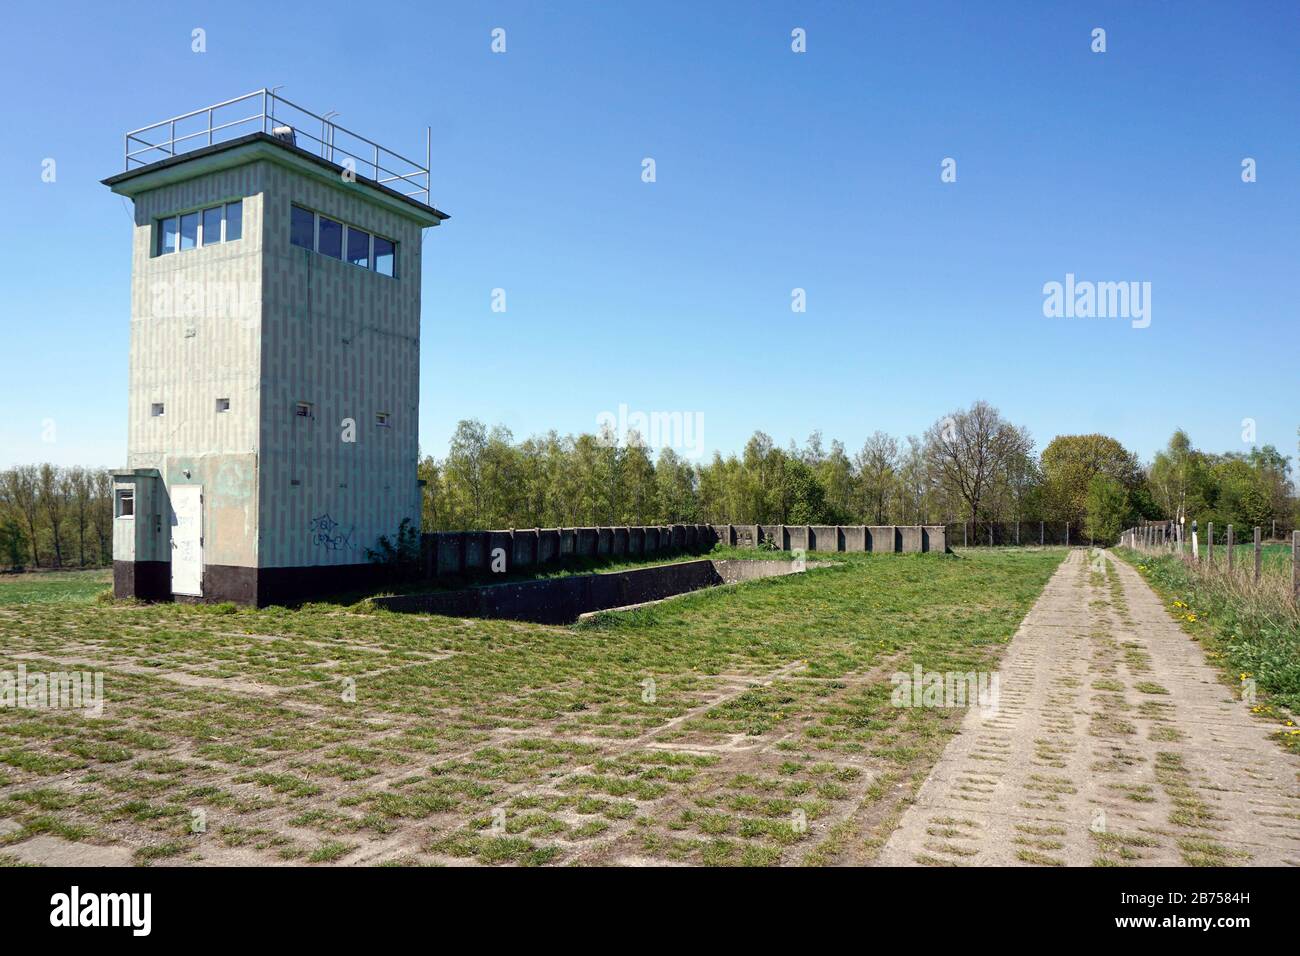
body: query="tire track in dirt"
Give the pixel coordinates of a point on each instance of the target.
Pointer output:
(1114, 743)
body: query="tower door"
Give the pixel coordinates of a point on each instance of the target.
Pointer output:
(187, 539)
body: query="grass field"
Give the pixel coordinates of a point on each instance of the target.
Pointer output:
(1274, 558)
(705, 729)
(53, 587)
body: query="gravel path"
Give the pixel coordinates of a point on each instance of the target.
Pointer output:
(1113, 743)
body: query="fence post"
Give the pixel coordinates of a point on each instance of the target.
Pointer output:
(1040, 533)
(1259, 551)
(1209, 543)
(963, 534)
(1295, 566)
(1067, 534)
(1017, 532)
(1232, 540)
(1196, 545)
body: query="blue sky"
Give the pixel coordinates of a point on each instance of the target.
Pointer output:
(775, 171)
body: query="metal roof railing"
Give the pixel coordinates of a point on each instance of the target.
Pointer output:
(264, 111)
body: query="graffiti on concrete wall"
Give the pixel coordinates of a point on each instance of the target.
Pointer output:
(328, 534)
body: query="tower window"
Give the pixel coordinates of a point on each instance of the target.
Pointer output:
(302, 227)
(223, 405)
(385, 255)
(167, 235)
(203, 227)
(358, 247)
(383, 419)
(125, 503)
(156, 409)
(303, 410)
(212, 226)
(332, 238)
(234, 220)
(189, 230)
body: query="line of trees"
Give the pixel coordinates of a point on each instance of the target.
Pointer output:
(972, 465)
(1248, 489)
(56, 517)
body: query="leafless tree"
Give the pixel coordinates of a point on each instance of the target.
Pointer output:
(81, 493)
(52, 491)
(877, 464)
(101, 513)
(972, 452)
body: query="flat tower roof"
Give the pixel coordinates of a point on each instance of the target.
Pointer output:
(262, 124)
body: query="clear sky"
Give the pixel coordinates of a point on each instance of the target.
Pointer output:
(775, 170)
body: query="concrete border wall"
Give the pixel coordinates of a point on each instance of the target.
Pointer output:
(451, 553)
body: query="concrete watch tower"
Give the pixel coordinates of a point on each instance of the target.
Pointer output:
(274, 363)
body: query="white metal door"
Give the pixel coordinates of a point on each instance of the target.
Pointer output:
(187, 539)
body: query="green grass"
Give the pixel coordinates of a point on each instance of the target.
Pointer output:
(506, 742)
(54, 587)
(330, 851)
(1274, 557)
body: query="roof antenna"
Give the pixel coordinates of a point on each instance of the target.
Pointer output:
(327, 134)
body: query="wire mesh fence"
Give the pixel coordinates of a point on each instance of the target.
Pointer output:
(1010, 534)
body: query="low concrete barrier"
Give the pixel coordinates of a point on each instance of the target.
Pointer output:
(452, 553)
(563, 600)
(476, 550)
(910, 540)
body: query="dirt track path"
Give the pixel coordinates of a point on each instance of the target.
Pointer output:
(1113, 743)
